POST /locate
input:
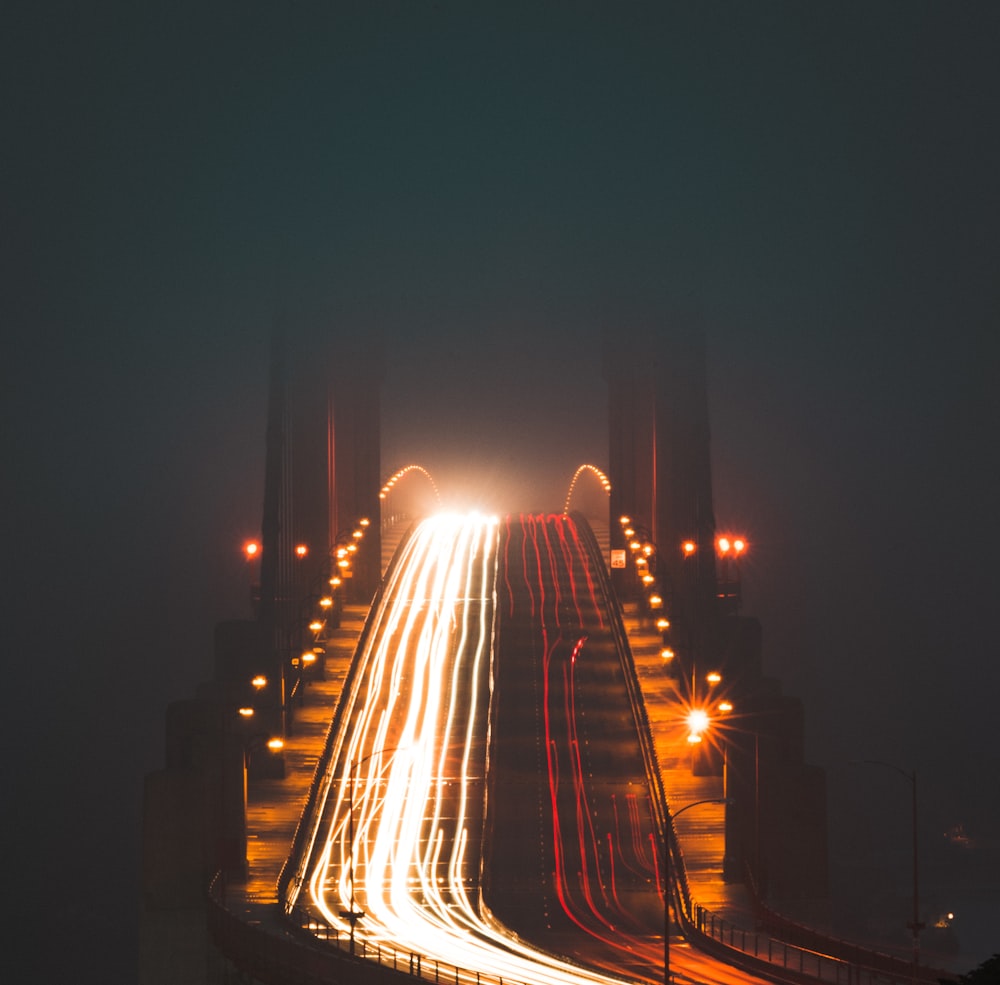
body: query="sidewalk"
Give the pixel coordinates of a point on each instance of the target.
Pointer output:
(701, 831)
(274, 806)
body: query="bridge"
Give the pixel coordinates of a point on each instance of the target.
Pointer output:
(535, 748)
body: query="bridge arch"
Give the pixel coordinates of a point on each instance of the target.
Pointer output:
(592, 499)
(414, 500)
(582, 470)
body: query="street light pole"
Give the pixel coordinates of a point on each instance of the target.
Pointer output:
(352, 915)
(668, 876)
(915, 925)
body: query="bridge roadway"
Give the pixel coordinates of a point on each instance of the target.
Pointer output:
(572, 866)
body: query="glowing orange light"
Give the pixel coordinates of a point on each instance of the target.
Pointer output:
(309, 657)
(246, 712)
(655, 601)
(713, 677)
(251, 549)
(364, 521)
(259, 681)
(326, 602)
(648, 579)
(723, 545)
(301, 550)
(689, 547)
(625, 520)
(662, 624)
(667, 653)
(739, 545)
(725, 706)
(275, 745)
(315, 625)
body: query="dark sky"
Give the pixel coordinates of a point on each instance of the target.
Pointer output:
(491, 186)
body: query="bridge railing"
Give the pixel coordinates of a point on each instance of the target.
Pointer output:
(396, 960)
(800, 963)
(296, 949)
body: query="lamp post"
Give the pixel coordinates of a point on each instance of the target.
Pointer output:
(915, 925)
(352, 914)
(668, 877)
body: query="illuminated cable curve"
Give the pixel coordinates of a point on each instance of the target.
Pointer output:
(601, 478)
(400, 473)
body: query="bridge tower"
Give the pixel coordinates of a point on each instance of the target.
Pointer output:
(322, 474)
(660, 469)
(332, 465)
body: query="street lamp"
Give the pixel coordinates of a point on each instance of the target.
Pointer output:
(251, 553)
(730, 550)
(915, 925)
(668, 877)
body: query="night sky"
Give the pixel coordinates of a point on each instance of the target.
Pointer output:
(490, 187)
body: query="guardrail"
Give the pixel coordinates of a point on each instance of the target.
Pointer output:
(803, 963)
(295, 949)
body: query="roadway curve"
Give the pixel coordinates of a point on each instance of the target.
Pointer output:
(486, 802)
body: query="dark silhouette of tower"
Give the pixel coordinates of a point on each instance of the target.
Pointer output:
(322, 448)
(660, 469)
(659, 465)
(322, 475)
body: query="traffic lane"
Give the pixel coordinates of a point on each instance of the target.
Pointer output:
(543, 619)
(583, 822)
(420, 707)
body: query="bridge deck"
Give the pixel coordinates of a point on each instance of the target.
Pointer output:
(274, 806)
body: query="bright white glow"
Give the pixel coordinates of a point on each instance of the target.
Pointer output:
(697, 721)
